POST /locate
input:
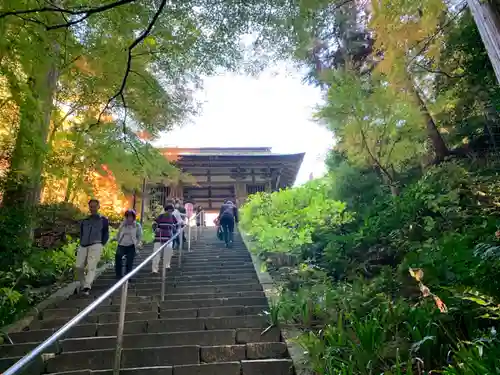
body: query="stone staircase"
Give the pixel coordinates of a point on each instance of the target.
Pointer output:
(209, 324)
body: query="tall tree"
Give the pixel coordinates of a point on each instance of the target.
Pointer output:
(140, 72)
(404, 30)
(375, 126)
(467, 93)
(487, 16)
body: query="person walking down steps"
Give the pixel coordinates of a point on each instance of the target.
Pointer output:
(129, 239)
(94, 234)
(228, 215)
(164, 227)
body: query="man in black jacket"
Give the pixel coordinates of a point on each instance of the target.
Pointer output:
(228, 216)
(94, 234)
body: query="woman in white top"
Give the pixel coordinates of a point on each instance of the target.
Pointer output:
(129, 241)
(180, 223)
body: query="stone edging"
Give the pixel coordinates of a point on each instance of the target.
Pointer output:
(57, 296)
(289, 334)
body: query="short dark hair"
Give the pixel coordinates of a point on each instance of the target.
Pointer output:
(131, 213)
(169, 207)
(94, 200)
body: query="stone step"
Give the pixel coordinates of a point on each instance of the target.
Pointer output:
(154, 325)
(190, 273)
(217, 259)
(145, 289)
(143, 357)
(146, 272)
(112, 316)
(186, 304)
(16, 350)
(180, 279)
(196, 303)
(257, 367)
(202, 360)
(222, 288)
(187, 284)
(90, 331)
(208, 256)
(180, 296)
(101, 318)
(220, 282)
(151, 340)
(82, 302)
(36, 367)
(211, 322)
(220, 270)
(213, 312)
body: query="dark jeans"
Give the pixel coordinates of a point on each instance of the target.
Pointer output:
(227, 224)
(177, 241)
(127, 251)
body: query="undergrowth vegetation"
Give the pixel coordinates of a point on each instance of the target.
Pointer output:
(48, 264)
(405, 284)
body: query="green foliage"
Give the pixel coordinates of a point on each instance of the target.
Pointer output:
(468, 95)
(32, 279)
(399, 77)
(285, 221)
(147, 233)
(359, 309)
(374, 125)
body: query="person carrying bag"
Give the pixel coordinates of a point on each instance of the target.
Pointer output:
(227, 218)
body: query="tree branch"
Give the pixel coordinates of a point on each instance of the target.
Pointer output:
(145, 80)
(134, 44)
(84, 12)
(374, 159)
(431, 38)
(437, 71)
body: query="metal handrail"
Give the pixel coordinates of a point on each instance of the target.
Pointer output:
(123, 282)
(189, 221)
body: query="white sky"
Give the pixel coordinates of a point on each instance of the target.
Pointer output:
(272, 110)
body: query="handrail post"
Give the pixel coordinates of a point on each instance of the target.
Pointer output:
(189, 235)
(163, 274)
(181, 245)
(121, 326)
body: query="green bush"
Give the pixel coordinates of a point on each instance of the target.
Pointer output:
(31, 280)
(286, 221)
(360, 310)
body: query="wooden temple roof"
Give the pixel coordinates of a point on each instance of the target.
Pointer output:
(237, 162)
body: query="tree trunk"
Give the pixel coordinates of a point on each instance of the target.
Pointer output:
(25, 175)
(69, 189)
(22, 189)
(433, 133)
(487, 17)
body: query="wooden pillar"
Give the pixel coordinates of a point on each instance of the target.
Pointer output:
(269, 188)
(143, 200)
(269, 180)
(209, 180)
(240, 192)
(487, 17)
(278, 178)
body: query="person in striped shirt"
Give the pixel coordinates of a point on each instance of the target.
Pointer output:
(165, 227)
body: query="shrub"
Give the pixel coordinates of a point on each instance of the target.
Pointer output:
(360, 310)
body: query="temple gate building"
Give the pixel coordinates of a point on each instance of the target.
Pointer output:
(225, 173)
